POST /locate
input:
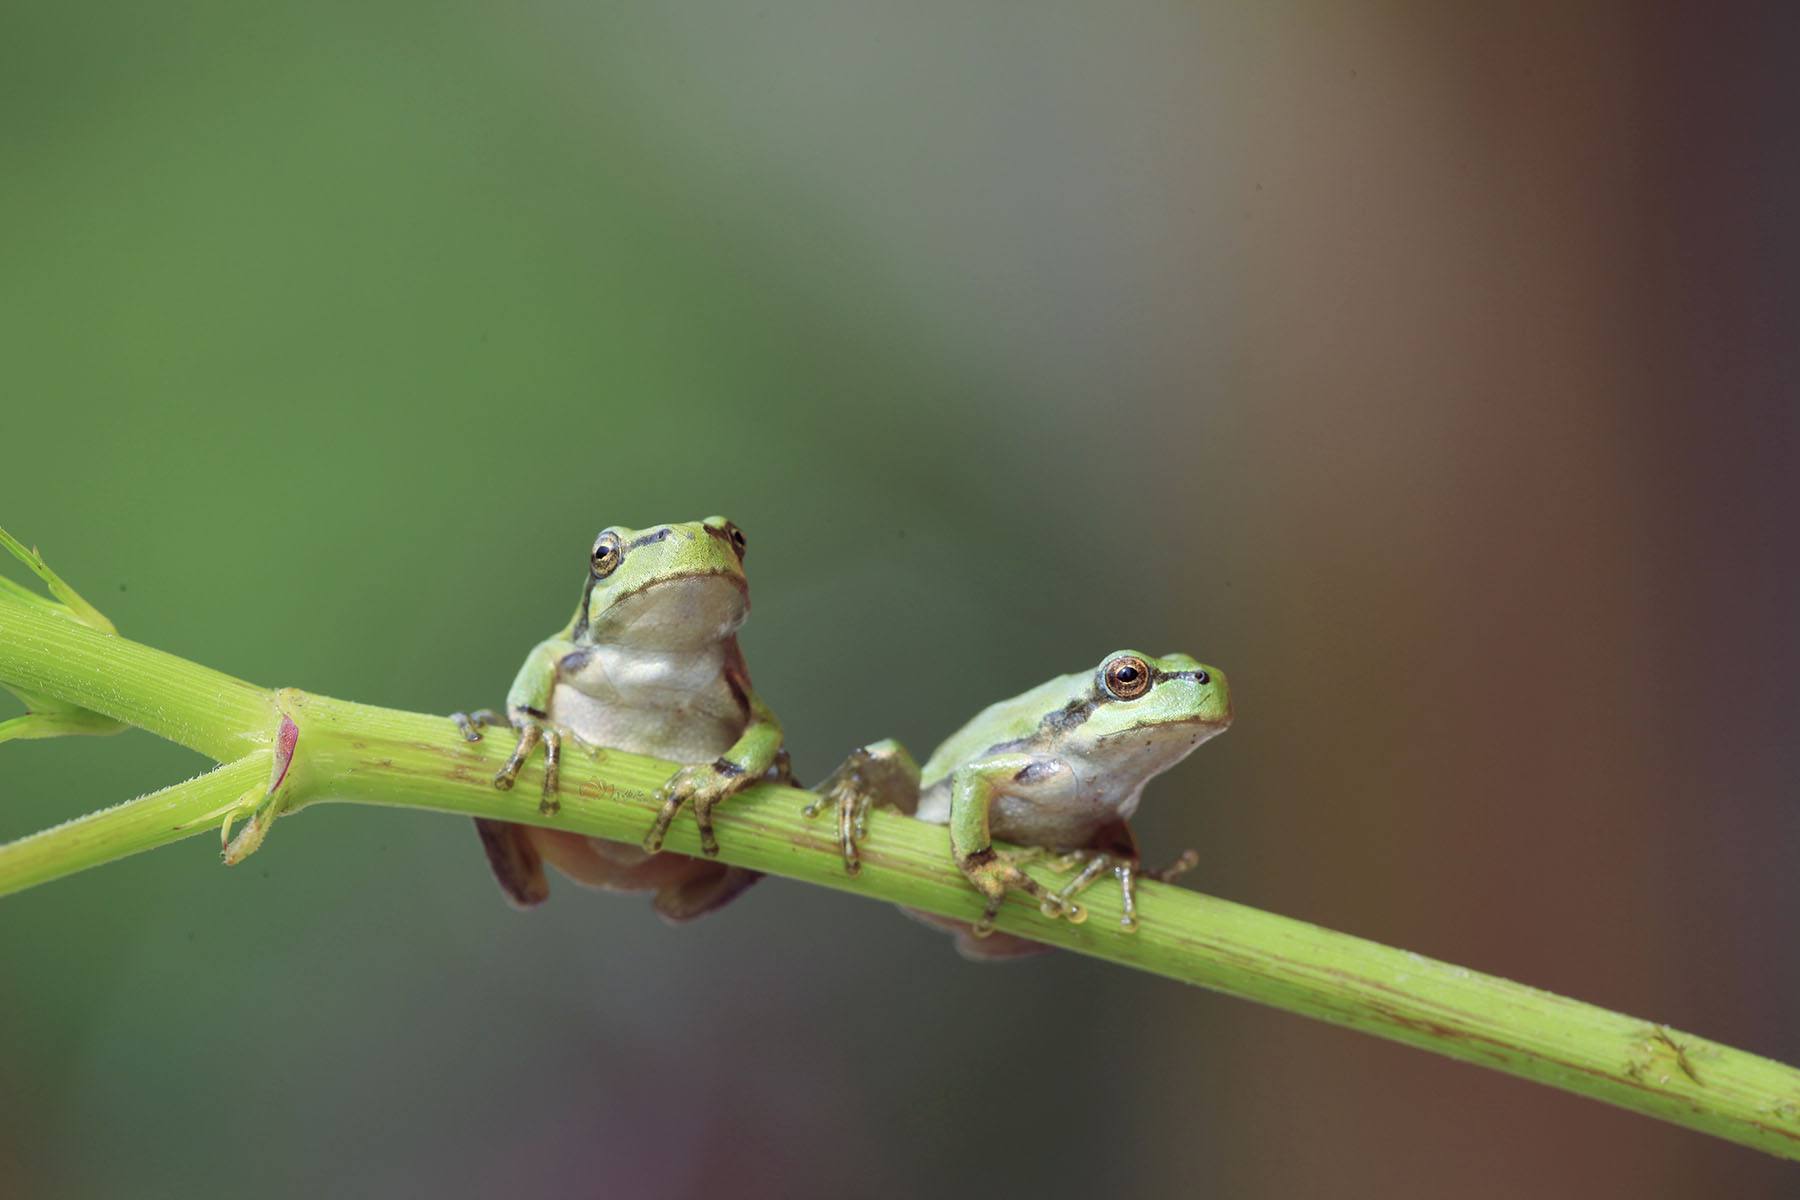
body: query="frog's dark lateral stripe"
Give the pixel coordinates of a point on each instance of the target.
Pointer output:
(585, 619)
(587, 597)
(587, 591)
(740, 692)
(645, 539)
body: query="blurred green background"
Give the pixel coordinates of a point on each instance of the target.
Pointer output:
(1430, 369)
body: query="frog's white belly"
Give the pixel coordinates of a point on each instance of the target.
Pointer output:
(1064, 815)
(670, 705)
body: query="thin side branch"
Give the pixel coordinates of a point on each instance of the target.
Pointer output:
(354, 753)
(178, 812)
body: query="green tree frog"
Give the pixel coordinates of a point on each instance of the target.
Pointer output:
(1058, 768)
(649, 664)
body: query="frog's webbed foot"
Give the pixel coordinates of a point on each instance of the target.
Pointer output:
(705, 786)
(533, 730)
(1091, 864)
(841, 792)
(994, 874)
(883, 773)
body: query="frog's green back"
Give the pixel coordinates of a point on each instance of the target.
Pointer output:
(1005, 721)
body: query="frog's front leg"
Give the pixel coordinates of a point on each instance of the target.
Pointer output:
(873, 775)
(706, 785)
(534, 728)
(973, 788)
(469, 724)
(527, 712)
(515, 862)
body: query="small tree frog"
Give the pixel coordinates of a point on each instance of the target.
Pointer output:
(649, 664)
(1058, 768)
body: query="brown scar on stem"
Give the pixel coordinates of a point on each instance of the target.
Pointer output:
(1681, 1057)
(1660, 1045)
(457, 751)
(1635, 1067)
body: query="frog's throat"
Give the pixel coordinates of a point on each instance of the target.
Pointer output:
(1210, 727)
(674, 610)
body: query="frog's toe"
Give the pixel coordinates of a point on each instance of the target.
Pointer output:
(703, 806)
(705, 786)
(547, 802)
(870, 776)
(993, 876)
(469, 724)
(1092, 867)
(852, 814)
(530, 735)
(1184, 862)
(672, 800)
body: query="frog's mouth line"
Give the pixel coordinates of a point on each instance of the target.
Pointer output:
(1215, 726)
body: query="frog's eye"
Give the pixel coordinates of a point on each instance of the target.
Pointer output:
(609, 552)
(738, 541)
(1127, 677)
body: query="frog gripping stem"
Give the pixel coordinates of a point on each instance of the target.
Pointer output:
(363, 754)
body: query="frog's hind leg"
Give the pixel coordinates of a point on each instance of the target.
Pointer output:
(992, 947)
(873, 775)
(684, 887)
(607, 865)
(708, 888)
(515, 861)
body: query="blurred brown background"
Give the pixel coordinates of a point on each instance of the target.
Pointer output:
(1429, 368)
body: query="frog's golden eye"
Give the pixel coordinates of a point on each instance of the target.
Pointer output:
(609, 552)
(1127, 677)
(739, 542)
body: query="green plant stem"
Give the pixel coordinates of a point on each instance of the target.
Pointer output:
(174, 813)
(355, 753)
(47, 653)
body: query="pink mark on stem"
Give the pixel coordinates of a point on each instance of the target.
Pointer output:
(285, 741)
